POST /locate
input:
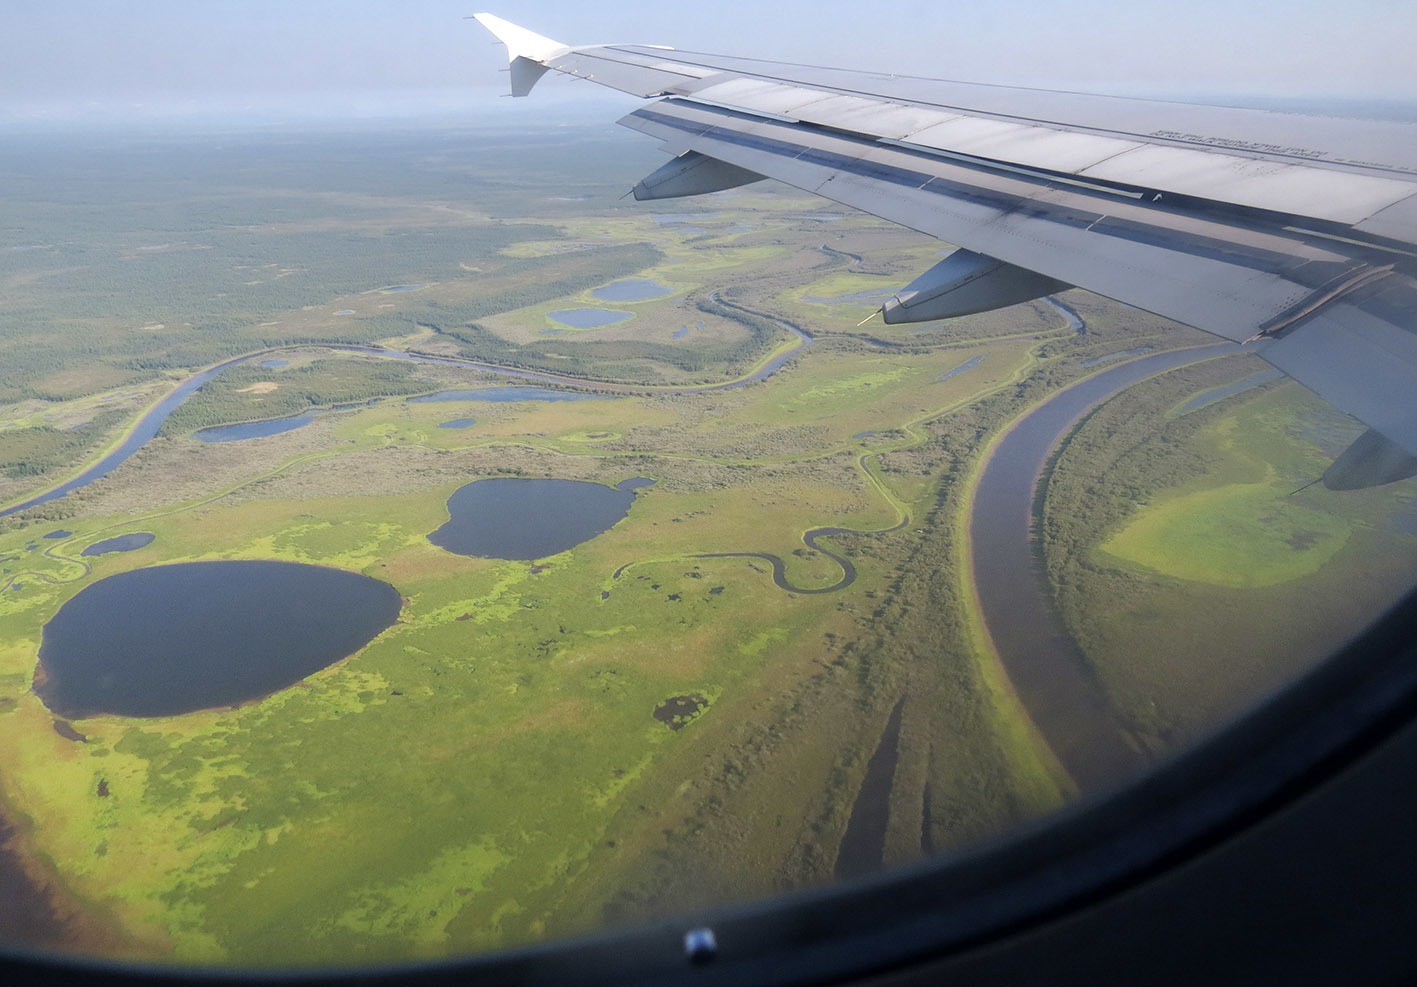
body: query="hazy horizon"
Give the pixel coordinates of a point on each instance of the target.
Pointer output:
(260, 61)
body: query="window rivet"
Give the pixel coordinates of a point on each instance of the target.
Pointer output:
(700, 946)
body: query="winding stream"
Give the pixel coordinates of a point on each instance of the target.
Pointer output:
(779, 568)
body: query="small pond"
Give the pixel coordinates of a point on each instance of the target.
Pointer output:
(963, 368)
(631, 290)
(172, 639)
(1217, 393)
(700, 217)
(251, 430)
(458, 423)
(121, 543)
(56, 535)
(518, 518)
(590, 318)
(1109, 357)
(508, 394)
(677, 712)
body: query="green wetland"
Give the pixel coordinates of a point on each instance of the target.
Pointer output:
(765, 669)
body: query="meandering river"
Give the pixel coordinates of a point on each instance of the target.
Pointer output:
(148, 425)
(1051, 677)
(1045, 666)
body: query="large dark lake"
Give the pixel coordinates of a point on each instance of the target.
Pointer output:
(517, 518)
(171, 639)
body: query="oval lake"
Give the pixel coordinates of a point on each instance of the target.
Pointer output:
(172, 639)
(518, 518)
(120, 543)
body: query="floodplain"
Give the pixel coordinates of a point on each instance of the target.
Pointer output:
(647, 719)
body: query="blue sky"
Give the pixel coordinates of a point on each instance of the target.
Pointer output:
(90, 59)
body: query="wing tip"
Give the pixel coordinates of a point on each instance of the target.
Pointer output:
(520, 42)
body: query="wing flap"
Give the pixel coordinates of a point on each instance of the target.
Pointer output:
(1200, 272)
(1107, 138)
(1360, 355)
(1270, 185)
(999, 140)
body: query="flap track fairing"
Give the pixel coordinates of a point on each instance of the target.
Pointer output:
(693, 173)
(1370, 461)
(965, 283)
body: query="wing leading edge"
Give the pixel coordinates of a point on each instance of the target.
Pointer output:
(1294, 234)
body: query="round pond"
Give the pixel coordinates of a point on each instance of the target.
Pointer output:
(172, 639)
(517, 518)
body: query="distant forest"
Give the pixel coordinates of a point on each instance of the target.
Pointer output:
(105, 238)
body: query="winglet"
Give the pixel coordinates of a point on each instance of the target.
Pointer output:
(527, 51)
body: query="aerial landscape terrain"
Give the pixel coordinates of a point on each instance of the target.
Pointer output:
(410, 548)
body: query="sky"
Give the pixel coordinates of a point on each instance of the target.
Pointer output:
(107, 60)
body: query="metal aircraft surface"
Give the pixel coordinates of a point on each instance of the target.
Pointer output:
(1295, 235)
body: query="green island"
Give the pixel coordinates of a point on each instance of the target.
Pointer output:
(647, 721)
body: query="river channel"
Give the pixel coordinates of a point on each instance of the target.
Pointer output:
(1047, 670)
(1044, 665)
(149, 424)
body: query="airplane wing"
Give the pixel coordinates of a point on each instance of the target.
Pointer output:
(1296, 234)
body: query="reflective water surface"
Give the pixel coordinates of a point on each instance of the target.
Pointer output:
(171, 639)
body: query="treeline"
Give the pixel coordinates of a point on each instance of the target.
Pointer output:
(207, 311)
(524, 281)
(590, 357)
(1121, 455)
(248, 275)
(37, 450)
(71, 185)
(319, 384)
(35, 345)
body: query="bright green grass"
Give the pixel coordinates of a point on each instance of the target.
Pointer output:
(1240, 535)
(443, 789)
(458, 784)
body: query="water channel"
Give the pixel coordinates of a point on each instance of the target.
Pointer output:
(1041, 660)
(140, 436)
(1047, 670)
(151, 422)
